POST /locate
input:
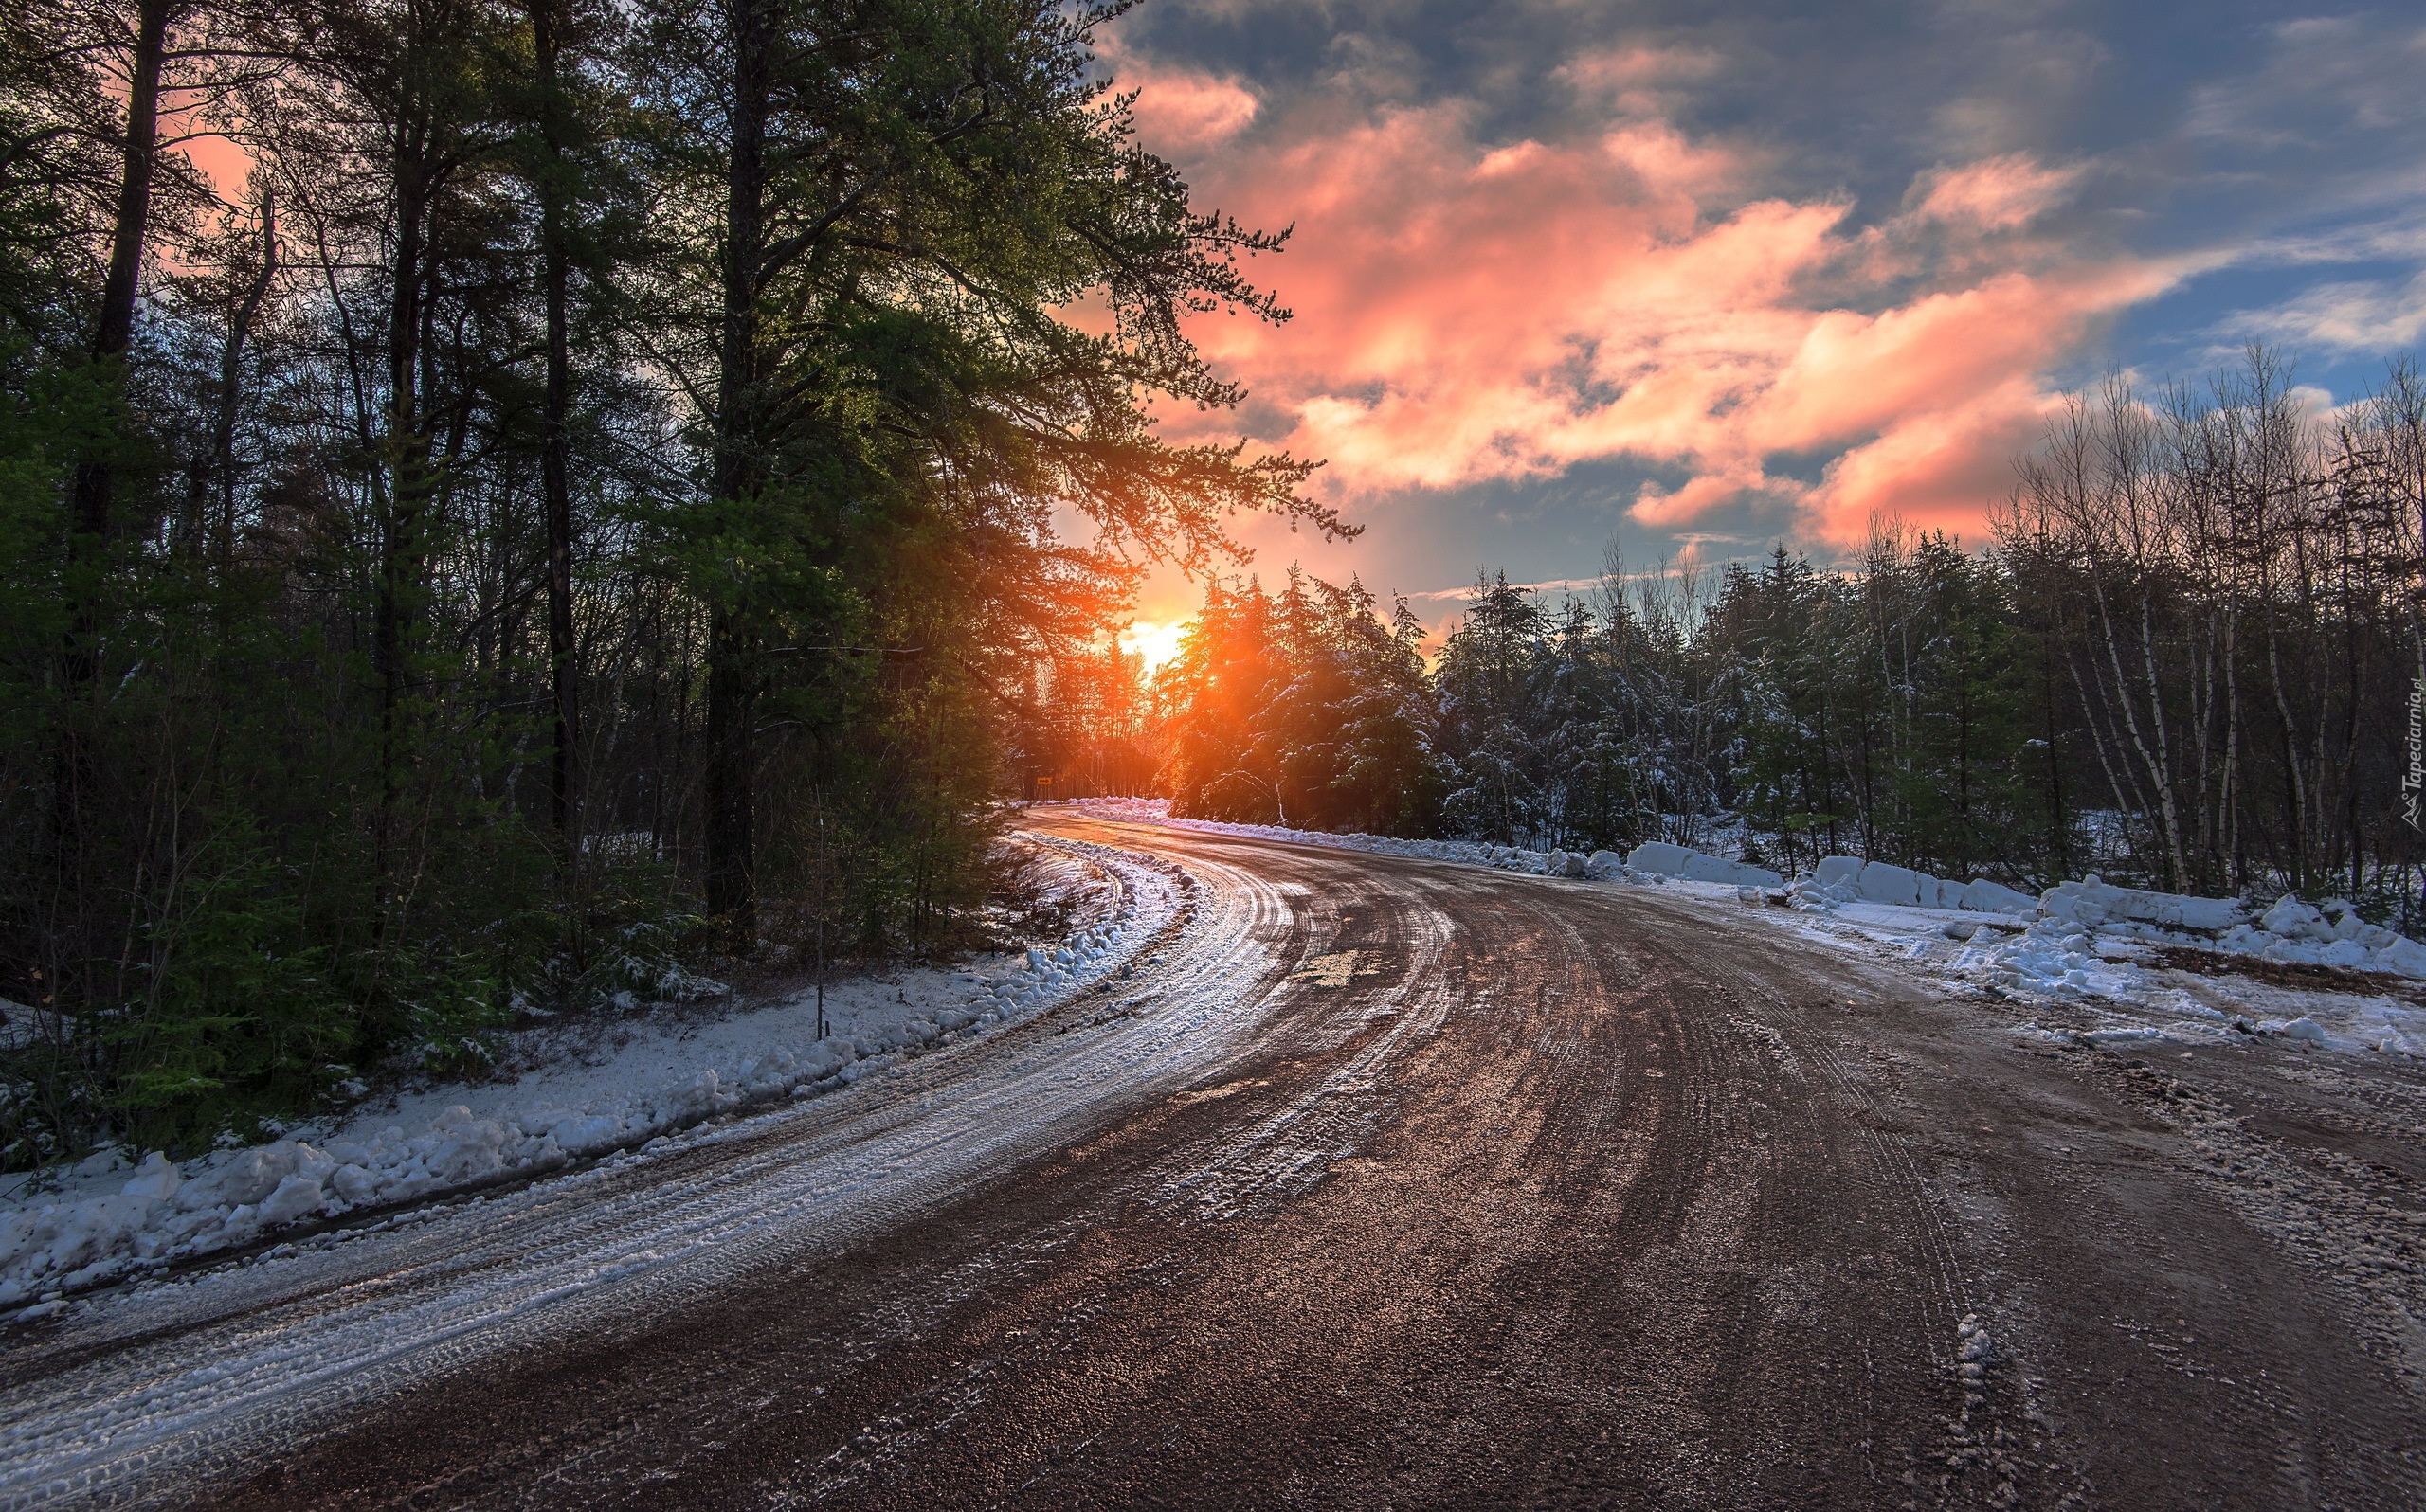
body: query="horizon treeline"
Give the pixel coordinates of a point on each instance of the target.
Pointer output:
(2186, 659)
(587, 496)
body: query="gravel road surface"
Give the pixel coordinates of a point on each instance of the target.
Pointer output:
(1382, 1183)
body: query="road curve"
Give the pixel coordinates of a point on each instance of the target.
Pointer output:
(1416, 1185)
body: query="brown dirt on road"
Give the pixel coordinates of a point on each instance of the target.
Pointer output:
(1554, 1194)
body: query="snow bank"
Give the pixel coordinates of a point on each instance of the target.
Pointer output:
(2331, 934)
(2291, 931)
(1654, 860)
(1467, 853)
(1979, 896)
(2058, 954)
(2055, 957)
(653, 1079)
(2099, 961)
(2079, 945)
(2328, 934)
(2097, 967)
(2093, 902)
(1675, 861)
(1848, 879)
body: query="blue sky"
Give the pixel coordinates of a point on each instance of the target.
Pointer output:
(1723, 275)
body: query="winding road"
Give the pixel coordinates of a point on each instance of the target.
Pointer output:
(1382, 1183)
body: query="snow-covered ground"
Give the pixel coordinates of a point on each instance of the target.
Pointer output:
(2092, 961)
(2118, 983)
(144, 1384)
(571, 1092)
(563, 1094)
(1469, 853)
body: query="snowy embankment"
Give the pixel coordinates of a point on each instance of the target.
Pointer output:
(2118, 966)
(1600, 865)
(2113, 964)
(583, 1088)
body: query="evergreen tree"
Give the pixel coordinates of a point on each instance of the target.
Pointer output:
(1496, 684)
(604, 462)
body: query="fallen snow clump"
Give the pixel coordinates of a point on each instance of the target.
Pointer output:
(1663, 859)
(1840, 879)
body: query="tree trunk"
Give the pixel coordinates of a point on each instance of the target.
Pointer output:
(398, 586)
(73, 775)
(128, 237)
(223, 439)
(553, 463)
(732, 670)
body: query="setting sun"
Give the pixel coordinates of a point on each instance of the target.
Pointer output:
(1157, 643)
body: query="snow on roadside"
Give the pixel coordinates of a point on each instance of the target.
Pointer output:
(571, 1090)
(2099, 960)
(2120, 983)
(2120, 966)
(1468, 853)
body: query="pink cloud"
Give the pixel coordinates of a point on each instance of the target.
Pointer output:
(1622, 68)
(1639, 81)
(1996, 194)
(1936, 469)
(1468, 314)
(1189, 112)
(1179, 112)
(1855, 374)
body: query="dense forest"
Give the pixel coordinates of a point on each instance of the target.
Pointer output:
(504, 503)
(2187, 658)
(577, 495)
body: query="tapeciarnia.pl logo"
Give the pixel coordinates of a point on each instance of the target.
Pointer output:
(2413, 781)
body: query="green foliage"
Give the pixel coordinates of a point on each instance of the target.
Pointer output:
(1881, 711)
(1878, 711)
(237, 1010)
(279, 745)
(1498, 679)
(1304, 709)
(48, 413)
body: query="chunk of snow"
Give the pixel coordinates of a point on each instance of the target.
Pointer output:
(157, 1179)
(1661, 857)
(1984, 896)
(2093, 902)
(1882, 882)
(2293, 919)
(1714, 869)
(2406, 956)
(297, 1196)
(1675, 861)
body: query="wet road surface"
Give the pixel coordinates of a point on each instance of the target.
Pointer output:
(1520, 1193)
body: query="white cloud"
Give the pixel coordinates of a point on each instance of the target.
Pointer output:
(2366, 317)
